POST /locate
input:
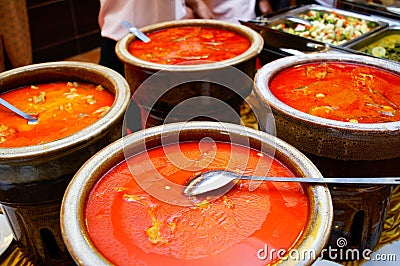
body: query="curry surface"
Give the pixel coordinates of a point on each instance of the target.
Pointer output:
(131, 227)
(63, 108)
(340, 91)
(190, 45)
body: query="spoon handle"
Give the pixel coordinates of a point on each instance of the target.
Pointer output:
(334, 180)
(31, 119)
(298, 20)
(135, 31)
(213, 180)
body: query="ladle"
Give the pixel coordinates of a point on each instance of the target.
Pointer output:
(31, 120)
(214, 180)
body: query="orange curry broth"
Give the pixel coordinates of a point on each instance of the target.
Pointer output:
(63, 108)
(346, 92)
(130, 227)
(190, 45)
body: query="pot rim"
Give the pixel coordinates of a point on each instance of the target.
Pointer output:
(266, 73)
(122, 97)
(73, 226)
(257, 43)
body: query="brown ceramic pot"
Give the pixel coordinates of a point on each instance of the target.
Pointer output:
(227, 82)
(72, 212)
(340, 149)
(33, 178)
(325, 137)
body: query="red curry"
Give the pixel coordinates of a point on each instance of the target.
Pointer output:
(130, 227)
(190, 45)
(346, 92)
(63, 108)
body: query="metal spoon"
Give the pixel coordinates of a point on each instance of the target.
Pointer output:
(311, 48)
(135, 31)
(298, 20)
(214, 180)
(31, 120)
(264, 21)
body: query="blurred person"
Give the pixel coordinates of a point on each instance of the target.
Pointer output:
(264, 7)
(229, 10)
(140, 13)
(146, 12)
(198, 9)
(328, 3)
(274, 5)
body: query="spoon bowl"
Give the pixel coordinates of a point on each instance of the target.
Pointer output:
(216, 180)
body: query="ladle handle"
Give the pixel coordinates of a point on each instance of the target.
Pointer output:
(213, 180)
(333, 180)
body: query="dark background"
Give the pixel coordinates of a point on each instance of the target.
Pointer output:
(62, 28)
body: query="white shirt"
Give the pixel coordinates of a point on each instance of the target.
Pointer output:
(145, 12)
(139, 12)
(230, 10)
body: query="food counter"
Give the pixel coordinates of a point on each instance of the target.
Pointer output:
(279, 44)
(391, 232)
(283, 38)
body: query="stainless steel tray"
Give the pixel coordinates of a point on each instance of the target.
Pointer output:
(365, 42)
(389, 6)
(378, 25)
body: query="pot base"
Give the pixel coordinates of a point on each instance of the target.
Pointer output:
(358, 218)
(37, 232)
(33, 212)
(227, 114)
(358, 211)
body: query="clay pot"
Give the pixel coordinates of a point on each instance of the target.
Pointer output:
(219, 86)
(340, 149)
(72, 212)
(33, 178)
(325, 137)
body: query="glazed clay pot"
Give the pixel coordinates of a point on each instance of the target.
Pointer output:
(219, 87)
(72, 212)
(325, 137)
(33, 178)
(340, 149)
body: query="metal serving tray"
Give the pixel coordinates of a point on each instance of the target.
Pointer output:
(379, 25)
(278, 44)
(359, 45)
(388, 6)
(390, 14)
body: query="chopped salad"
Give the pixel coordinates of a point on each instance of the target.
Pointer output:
(328, 27)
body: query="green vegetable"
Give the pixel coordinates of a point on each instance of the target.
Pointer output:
(328, 27)
(378, 51)
(388, 47)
